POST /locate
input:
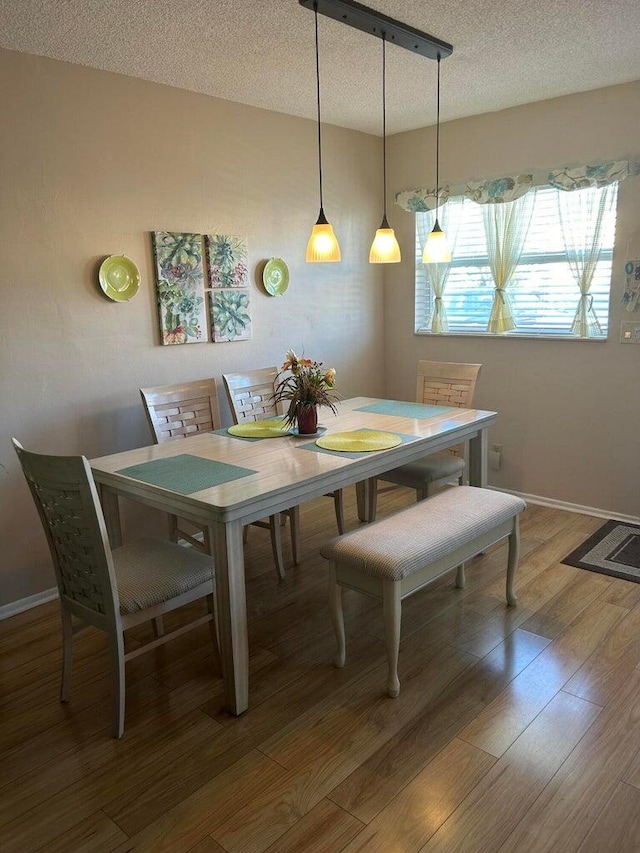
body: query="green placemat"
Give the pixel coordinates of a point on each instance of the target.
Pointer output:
(186, 473)
(348, 454)
(405, 410)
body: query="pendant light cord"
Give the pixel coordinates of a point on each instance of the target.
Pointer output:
(438, 142)
(315, 10)
(384, 126)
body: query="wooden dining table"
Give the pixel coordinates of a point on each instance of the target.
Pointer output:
(224, 482)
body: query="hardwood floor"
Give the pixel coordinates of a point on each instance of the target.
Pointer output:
(516, 729)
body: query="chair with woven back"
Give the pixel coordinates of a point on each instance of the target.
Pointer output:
(250, 396)
(186, 409)
(179, 411)
(439, 384)
(110, 589)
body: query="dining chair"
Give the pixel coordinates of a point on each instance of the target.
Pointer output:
(250, 396)
(186, 409)
(439, 384)
(179, 411)
(110, 589)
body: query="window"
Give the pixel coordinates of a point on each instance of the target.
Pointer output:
(543, 291)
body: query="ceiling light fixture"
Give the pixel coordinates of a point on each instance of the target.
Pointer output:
(323, 244)
(436, 248)
(385, 248)
(379, 25)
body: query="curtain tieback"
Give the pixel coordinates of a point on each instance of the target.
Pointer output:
(587, 297)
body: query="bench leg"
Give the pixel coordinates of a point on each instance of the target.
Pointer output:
(392, 610)
(514, 553)
(337, 618)
(460, 577)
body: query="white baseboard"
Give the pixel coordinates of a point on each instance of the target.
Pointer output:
(15, 607)
(8, 610)
(569, 507)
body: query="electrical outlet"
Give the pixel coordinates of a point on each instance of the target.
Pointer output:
(497, 448)
(495, 457)
(629, 332)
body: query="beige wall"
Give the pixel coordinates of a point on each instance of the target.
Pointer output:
(569, 411)
(90, 163)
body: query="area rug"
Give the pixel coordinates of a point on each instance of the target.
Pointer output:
(613, 550)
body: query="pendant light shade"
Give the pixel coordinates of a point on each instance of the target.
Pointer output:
(437, 249)
(385, 248)
(323, 244)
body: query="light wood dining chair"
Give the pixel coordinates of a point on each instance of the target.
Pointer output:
(179, 411)
(250, 396)
(186, 409)
(111, 589)
(439, 384)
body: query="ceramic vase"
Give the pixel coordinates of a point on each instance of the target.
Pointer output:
(307, 418)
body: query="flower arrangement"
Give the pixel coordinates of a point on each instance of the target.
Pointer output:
(306, 385)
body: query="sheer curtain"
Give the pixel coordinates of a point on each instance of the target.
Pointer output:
(581, 218)
(505, 225)
(450, 218)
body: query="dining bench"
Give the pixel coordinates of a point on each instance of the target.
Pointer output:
(399, 555)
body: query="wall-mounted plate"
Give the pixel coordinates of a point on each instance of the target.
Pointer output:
(275, 277)
(119, 278)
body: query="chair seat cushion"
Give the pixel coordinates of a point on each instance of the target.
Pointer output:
(413, 538)
(425, 470)
(152, 571)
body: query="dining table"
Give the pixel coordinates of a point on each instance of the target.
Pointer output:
(223, 482)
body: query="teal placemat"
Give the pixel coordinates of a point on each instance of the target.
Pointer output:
(186, 473)
(405, 410)
(351, 454)
(224, 431)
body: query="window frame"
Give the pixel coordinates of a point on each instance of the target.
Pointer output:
(424, 298)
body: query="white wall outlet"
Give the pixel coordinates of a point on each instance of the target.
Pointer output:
(630, 332)
(495, 457)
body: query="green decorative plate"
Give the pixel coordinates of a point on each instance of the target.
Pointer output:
(275, 277)
(119, 278)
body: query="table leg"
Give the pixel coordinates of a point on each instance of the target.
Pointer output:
(231, 608)
(478, 456)
(111, 512)
(364, 495)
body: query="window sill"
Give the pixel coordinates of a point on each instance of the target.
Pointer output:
(512, 337)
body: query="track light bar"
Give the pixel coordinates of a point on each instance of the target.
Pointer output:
(375, 23)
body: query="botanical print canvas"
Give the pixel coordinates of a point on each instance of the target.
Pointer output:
(230, 315)
(227, 259)
(180, 285)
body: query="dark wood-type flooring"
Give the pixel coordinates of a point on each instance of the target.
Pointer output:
(516, 729)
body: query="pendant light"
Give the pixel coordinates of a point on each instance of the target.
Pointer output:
(385, 248)
(323, 244)
(436, 248)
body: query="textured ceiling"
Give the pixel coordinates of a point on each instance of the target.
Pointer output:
(262, 52)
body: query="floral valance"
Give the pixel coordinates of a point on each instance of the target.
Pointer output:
(597, 175)
(499, 190)
(512, 187)
(419, 201)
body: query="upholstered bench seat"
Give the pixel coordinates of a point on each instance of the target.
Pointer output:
(393, 558)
